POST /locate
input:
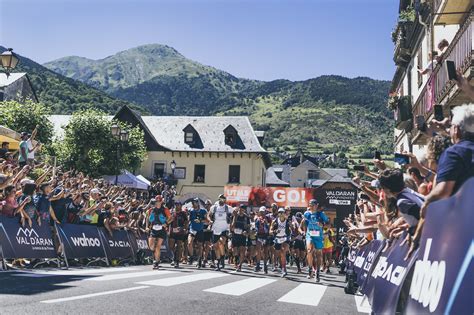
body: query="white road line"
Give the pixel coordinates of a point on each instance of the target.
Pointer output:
(168, 282)
(241, 287)
(79, 272)
(363, 305)
(86, 296)
(131, 275)
(305, 293)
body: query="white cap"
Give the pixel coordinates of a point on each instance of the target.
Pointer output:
(95, 191)
(262, 209)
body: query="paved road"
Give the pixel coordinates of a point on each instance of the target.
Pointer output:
(171, 291)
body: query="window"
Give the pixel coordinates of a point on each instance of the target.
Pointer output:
(159, 170)
(419, 62)
(313, 174)
(199, 173)
(189, 137)
(234, 173)
(279, 174)
(230, 138)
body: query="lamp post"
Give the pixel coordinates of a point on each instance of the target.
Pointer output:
(123, 136)
(9, 60)
(173, 167)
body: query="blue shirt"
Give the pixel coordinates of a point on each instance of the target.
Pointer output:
(456, 164)
(312, 220)
(199, 214)
(42, 204)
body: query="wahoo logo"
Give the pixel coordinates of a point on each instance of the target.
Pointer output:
(428, 280)
(388, 272)
(27, 232)
(359, 261)
(83, 241)
(113, 243)
(142, 244)
(369, 260)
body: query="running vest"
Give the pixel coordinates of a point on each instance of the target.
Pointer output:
(240, 225)
(157, 216)
(282, 230)
(262, 227)
(177, 225)
(220, 213)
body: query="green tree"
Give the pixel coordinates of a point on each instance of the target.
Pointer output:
(88, 145)
(25, 117)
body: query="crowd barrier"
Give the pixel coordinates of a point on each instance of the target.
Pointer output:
(438, 278)
(78, 241)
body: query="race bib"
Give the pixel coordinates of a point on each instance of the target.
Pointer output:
(220, 214)
(176, 230)
(280, 240)
(193, 232)
(315, 233)
(237, 231)
(262, 241)
(157, 227)
(254, 243)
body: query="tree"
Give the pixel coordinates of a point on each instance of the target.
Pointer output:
(25, 117)
(88, 145)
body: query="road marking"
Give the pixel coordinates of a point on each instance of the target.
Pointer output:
(86, 296)
(305, 293)
(363, 305)
(131, 275)
(168, 282)
(241, 287)
(78, 272)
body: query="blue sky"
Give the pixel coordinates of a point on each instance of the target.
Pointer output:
(259, 39)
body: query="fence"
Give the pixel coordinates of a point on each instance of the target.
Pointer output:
(438, 278)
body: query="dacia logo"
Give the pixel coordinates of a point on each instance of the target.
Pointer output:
(428, 280)
(27, 232)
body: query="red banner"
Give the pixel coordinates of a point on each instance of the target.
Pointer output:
(282, 196)
(237, 194)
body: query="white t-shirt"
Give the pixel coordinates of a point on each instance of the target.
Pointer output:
(220, 218)
(31, 154)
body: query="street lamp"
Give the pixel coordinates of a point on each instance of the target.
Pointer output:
(173, 166)
(123, 136)
(9, 60)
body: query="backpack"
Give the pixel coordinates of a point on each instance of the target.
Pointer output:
(213, 213)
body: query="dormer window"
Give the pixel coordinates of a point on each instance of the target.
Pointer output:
(230, 135)
(190, 135)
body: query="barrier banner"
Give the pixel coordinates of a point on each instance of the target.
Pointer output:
(80, 241)
(117, 245)
(443, 277)
(388, 277)
(360, 258)
(25, 242)
(373, 252)
(351, 258)
(139, 243)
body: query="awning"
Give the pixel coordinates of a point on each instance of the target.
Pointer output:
(127, 179)
(10, 136)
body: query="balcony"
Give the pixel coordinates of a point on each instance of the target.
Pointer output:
(439, 89)
(451, 11)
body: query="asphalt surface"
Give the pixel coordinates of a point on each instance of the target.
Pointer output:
(186, 290)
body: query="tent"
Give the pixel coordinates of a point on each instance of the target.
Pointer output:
(127, 179)
(10, 136)
(143, 179)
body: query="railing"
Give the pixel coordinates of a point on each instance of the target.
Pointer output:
(438, 85)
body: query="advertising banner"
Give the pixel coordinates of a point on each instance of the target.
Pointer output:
(237, 194)
(443, 276)
(373, 251)
(80, 241)
(139, 243)
(25, 242)
(117, 245)
(282, 196)
(360, 258)
(388, 276)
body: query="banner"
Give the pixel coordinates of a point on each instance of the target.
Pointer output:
(443, 277)
(360, 258)
(25, 242)
(388, 276)
(373, 251)
(139, 243)
(80, 241)
(282, 196)
(237, 194)
(117, 245)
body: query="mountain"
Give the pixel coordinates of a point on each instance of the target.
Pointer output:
(65, 95)
(320, 114)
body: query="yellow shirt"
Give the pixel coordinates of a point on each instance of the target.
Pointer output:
(326, 241)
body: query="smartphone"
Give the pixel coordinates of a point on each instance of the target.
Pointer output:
(364, 197)
(377, 155)
(451, 67)
(359, 168)
(420, 123)
(401, 159)
(438, 112)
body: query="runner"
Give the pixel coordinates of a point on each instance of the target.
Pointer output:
(312, 227)
(262, 227)
(207, 235)
(298, 241)
(197, 218)
(271, 249)
(328, 243)
(220, 217)
(281, 231)
(251, 241)
(240, 229)
(158, 219)
(178, 233)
